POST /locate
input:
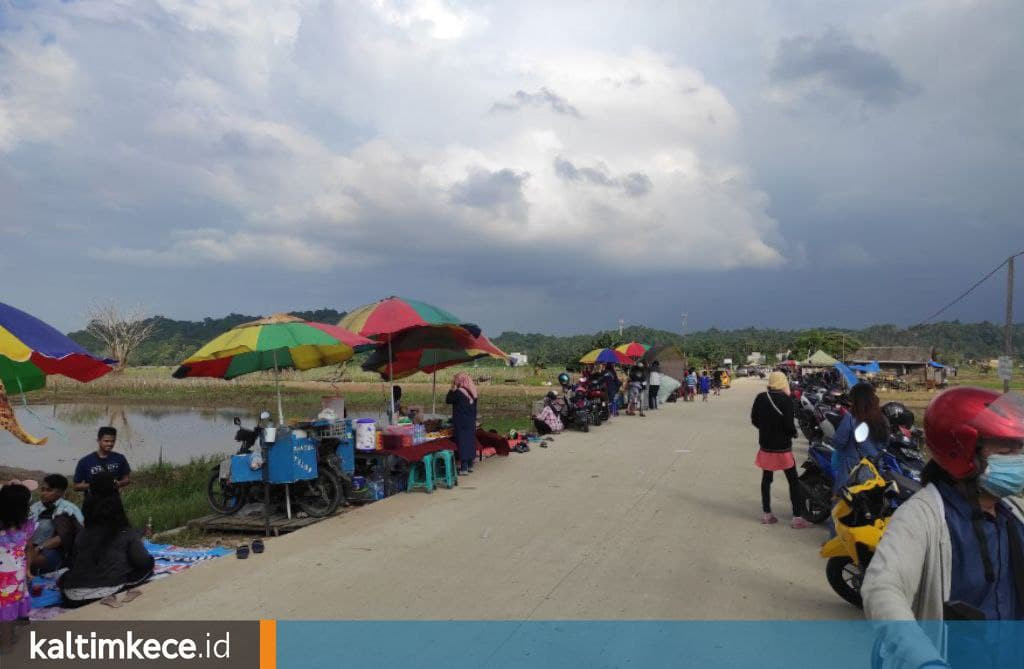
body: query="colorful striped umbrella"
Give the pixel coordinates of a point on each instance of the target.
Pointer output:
(385, 318)
(30, 350)
(428, 349)
(278, 342)
(605, 355)
(633, 349)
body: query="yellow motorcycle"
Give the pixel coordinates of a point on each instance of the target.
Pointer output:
(860, 515)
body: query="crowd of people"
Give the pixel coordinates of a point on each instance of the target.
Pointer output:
(100, 553)
(952, 551)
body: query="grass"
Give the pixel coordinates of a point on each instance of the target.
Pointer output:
(917, 400)
(171, 495)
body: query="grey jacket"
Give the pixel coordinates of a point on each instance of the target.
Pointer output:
(909, 578)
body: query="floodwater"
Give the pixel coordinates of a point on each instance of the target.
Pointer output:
(145, 434)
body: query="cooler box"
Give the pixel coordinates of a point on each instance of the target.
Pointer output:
(292, 458)
(347, 454)
(242, 473)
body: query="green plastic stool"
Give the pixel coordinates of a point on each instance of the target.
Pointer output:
(444, 469)
(427, 481)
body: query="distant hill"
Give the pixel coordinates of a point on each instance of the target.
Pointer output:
(173, 341)
(953, 341)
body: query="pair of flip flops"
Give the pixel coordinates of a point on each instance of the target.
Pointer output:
(242, 552)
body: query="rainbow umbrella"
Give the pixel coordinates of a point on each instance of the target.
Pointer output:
(429, 349)
(31, 350)
(383, 320)
(633, 349)
(278, 342)
(605, 355)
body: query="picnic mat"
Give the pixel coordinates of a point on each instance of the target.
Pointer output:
(169, 559)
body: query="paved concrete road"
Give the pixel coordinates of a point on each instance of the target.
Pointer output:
(643, 518)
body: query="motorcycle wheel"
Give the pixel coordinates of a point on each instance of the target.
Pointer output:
(845, 578)
(584, 425)
(596, 420)
(817, 499)
(320, 496)
(224, 496)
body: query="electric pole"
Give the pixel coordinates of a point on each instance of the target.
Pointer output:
(621, 323)
(1008, 331)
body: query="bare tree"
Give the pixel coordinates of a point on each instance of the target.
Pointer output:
(120, 330)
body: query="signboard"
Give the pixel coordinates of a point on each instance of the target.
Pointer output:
(1005, 367)
(727, 361)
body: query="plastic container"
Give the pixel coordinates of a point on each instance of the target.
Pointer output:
(366, 434)
(333, 402)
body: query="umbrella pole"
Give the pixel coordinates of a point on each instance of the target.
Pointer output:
(277, 386)
(433, 397)
(391, 385)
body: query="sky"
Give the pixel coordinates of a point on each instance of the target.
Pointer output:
(530, 166)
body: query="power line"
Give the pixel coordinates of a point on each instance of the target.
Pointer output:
(969, 290)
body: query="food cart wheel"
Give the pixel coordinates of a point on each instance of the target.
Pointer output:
(318, 497)
(224, 496)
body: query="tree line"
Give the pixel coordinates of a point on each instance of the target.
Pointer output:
(171, 341)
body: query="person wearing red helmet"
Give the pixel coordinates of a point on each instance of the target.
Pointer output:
(956, 548)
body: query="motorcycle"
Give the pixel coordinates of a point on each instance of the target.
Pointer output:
(318, 496)
(575, 408)
(871, 495)
(597, 396)
(817, 479)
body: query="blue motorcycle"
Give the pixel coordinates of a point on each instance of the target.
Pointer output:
(897, 461)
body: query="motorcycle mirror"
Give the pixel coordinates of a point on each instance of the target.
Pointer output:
(861, 432)
(237, 421)
(264, 415)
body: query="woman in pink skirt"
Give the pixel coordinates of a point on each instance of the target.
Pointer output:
(772, 415)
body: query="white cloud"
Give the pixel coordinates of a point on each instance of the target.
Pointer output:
(242, 109)
(37, 80)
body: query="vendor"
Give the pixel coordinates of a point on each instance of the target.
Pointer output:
(58, 522)
(463, 398)
(396, 398)
(103, 459)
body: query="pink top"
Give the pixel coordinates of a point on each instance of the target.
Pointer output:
(14, 598)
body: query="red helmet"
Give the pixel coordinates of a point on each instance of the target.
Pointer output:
(957, 418)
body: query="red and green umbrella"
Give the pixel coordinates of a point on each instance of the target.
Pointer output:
(277, 342)
(605, 355)
(31, 350)
(633, 349)
(429, 349)
(385, 318)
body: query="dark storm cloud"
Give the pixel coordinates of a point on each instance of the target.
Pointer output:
(835, 59)
(634, 184)
(484, 189)
(542, 98)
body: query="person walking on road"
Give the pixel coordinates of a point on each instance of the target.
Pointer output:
(772, 415)
(705, 386)
(653, 383)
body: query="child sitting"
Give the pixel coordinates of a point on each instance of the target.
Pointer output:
(16, 528)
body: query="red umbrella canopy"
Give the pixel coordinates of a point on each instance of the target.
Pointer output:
(384, 318)
(429, 349)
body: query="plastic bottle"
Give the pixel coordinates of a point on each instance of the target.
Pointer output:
(149, 527)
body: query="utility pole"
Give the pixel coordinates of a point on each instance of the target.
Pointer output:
(1008, 332)
(621, 323)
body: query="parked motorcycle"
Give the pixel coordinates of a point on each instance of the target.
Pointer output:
(317, 497)
(597, 396)
(575, 407)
